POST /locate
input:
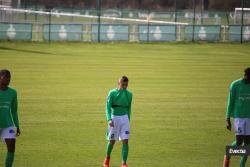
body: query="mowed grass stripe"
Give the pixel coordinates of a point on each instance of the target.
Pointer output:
(180, 94)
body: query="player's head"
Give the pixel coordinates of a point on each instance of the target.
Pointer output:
(123, 82)
(5, 77)
(247, 74)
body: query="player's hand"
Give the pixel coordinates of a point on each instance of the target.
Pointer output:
(228, 124)
(18, 132)
(111, 124)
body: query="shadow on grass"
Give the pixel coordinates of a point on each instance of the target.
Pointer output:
(26, 51)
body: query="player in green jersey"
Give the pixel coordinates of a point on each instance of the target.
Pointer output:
(239, 109)
(8, 116)
(118, 109)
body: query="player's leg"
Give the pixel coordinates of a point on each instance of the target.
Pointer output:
(112, 136)
(9, 136)
(246, 141)
(10, 152)
(243, 159)
(124, 152)
(109, 149)
(239, 132)
(226, 160)
(239, 140)
(124, 136)
(11, 143)
(110, 146)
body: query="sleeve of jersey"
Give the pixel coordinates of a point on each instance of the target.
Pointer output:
(108, 107)
(14, 108)
(231, 98)
(129, 109)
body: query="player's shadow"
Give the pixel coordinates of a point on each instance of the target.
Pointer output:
(23, 50)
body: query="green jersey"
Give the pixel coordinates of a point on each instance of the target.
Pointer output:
(8, 108)
(239, 100)
(118, 103)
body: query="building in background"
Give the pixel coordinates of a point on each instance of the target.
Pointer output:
(5, 2)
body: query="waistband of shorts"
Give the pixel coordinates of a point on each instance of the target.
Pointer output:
(243, 119)
(119, 116)
(9, 127)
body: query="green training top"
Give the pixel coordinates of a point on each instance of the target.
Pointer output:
(8, 108)
(118, 103)
(239, 100)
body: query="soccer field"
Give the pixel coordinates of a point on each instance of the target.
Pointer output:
(178, 114)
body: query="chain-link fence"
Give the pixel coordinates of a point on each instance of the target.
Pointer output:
(196, 23)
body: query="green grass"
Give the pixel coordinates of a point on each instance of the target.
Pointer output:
(180, 94)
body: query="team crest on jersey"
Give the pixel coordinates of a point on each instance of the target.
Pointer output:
(127, 132)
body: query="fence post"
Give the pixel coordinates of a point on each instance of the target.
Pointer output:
(224, 32)
(36, 8)
(242, 20)
(49, 23)
(202, 11)
(175, 11)
(25, 6)
(148, 25)
(194, 6)
(99, 18)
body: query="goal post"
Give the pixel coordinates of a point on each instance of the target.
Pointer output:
(238, 15)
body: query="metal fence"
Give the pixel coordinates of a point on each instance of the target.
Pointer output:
(104, 25)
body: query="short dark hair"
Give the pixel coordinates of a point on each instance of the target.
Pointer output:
(124, 79)
(5, 72)
(247, 72)
(247, 75)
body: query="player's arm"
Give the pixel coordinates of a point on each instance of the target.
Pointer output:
(230, 106)
(14, 108)
(129, 108)
(109, 106)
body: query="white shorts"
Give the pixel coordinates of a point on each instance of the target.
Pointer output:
(7, 133)
(121, 129)
(242, 126)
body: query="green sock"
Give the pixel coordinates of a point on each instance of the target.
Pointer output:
(124, 153)
(9, 159)
(109, 149)
(243, 159)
